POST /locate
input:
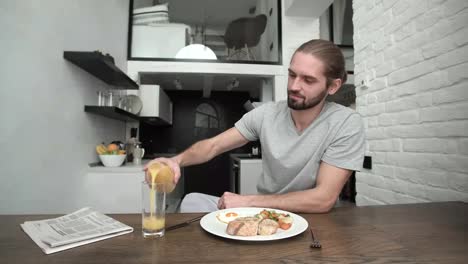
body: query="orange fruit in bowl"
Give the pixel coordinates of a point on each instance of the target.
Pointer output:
(112, 147)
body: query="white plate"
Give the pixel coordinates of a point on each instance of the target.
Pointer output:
(212, 225)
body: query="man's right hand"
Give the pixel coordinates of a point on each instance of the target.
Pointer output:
(171, 162)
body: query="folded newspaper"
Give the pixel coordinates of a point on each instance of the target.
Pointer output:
(72, 230)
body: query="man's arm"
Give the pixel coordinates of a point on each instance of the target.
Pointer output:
(205, 150)
(202, 151)
(321, 199)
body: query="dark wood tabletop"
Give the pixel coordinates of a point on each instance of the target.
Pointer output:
(414, 233)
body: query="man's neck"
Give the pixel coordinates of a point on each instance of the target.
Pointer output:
(303, 118)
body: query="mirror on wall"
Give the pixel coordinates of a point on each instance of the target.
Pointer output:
(242, 31)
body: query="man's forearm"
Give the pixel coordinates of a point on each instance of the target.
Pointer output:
(308, 201)
(320, 199)
(205, 150)
(200, 152)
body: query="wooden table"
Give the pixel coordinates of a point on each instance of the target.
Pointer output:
(417, 233)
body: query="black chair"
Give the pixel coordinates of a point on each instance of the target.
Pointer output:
(242, 34)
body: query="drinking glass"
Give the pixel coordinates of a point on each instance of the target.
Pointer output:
(102, 98)
(153, 201)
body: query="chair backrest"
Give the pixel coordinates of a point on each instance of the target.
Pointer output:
(245, 31)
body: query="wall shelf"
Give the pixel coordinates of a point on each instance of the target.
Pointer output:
(122, 115)
(111, 112)
(102, 67)
(155, 121)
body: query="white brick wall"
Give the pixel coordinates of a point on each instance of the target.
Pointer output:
(411, 66)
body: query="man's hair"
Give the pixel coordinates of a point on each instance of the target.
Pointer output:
(330, 55)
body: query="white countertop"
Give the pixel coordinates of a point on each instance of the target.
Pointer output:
(130, 176)
(245, 158)
(128, 167)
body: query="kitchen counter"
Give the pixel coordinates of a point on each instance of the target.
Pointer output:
(127, 167)
(158, 155)
(123, 188)
(245, 157)
(245, 171)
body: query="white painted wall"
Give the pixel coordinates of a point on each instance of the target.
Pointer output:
(411, 65)
(296, 30)
(46, 138)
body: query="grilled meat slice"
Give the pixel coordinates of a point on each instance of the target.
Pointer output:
(267, 227)
(243, 226)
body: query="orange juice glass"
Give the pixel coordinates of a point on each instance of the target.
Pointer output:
(153, 215)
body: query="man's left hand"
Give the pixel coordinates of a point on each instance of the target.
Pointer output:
(230, 200)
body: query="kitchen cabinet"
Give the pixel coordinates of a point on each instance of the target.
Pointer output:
(157, 106)
(118, 189)
(245, 172)
(250, 171)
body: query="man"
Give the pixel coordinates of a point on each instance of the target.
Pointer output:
(309, 146)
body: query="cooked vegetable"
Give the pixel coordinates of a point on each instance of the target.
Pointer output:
(284, 220)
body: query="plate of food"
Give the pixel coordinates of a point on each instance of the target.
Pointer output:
(253, 224)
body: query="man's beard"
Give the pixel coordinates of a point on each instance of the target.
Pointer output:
(305, 104)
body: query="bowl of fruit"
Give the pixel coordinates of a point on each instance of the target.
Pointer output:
(111, 155)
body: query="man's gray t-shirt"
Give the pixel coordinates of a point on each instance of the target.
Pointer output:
(291, 159)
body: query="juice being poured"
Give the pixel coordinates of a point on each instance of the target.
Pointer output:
(152, 222)
(162, 173)
(160, 182)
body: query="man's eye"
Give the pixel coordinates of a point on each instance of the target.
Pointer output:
(292, 75)
(309, 81)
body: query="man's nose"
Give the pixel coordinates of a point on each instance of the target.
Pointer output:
(295, 84)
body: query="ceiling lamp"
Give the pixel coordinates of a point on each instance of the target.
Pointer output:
(196, 51)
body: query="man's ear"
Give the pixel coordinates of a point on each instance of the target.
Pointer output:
(334, 86)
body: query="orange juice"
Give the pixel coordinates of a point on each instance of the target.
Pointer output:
(153, 224)
(154, 193)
